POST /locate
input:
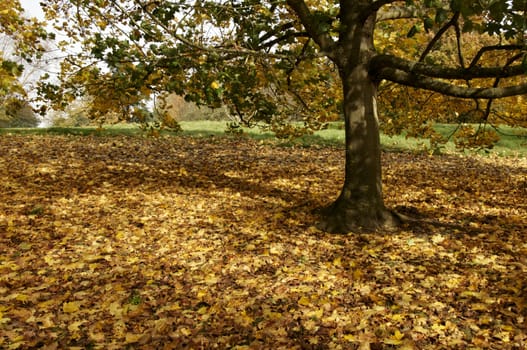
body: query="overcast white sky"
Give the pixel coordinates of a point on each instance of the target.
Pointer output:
(32, 8)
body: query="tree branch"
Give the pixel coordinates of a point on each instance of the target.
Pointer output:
(449, 89)
(280, 29)
(282, 38)
(323, 39)
(199, 46)
(381, 62)
(459, 45)
(399, 12)
(438, 35)
(376, 6)
(485, 49)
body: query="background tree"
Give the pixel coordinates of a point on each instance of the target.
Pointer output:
(17, 114)
(278, 60)
(22, 42)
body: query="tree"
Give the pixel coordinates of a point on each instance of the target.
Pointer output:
(17, 114)
(22, 41)
(269, 59)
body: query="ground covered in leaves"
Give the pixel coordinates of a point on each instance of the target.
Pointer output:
(140, 243)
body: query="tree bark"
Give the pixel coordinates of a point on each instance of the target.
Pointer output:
(360, 205)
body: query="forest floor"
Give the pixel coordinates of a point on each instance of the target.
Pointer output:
(202, 243)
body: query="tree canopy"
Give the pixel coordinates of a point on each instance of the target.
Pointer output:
(284, 60)
(268, 58)
(22, 40)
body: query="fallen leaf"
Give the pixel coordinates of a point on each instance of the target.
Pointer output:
(71, 307)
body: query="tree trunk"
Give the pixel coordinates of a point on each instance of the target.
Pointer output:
(360, 206)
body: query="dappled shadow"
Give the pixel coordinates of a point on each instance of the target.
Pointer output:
(471, 192)
(467, 192)
(58, 166)
(198, 241)
(253, 179)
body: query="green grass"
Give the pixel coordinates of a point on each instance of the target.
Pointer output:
(111, 130)
(513, 141)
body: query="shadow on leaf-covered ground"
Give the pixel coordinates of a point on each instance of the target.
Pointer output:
(135, 242)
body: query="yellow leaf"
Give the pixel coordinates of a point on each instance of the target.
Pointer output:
(47, 320)
(119, 329)
(21, 297)
(317, 314)
(203, 310)
(304, 301)
(273, 315)
(276, 249)
(201, 294)
(397, 317)
(407, 346)
(25, 246)
(49, 260)
(278, 216)
(398, 335)
(74, 327)
(357, 274)
(349, 337)
(310, 325)
(243, 319)
(438, 238)
(162, 325)
(215, 85)
(98, 337)
(132, 338)
(503, 336)
(115, 309)
(364, 345)
(211, 279)
(395, 339)
(185, 331)
(183, 172)
(73, 266)
(313, 340)
(70, 307)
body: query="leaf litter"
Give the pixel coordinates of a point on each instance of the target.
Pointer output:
(168, 243)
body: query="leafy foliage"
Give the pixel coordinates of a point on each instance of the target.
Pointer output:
(17, 113)
(25, 36)
(414, 111)
(28, 35)
(168, 49)
(147, 243)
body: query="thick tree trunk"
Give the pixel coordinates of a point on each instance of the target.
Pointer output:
(360, 206)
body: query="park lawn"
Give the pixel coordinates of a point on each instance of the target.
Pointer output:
(112, 242)
(513, 141)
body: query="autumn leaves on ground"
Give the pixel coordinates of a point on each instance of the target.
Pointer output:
(141, 243)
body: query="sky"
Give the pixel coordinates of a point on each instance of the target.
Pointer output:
(32, 8)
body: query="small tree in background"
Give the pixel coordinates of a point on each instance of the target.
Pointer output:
(17, 114)
(24, 40)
